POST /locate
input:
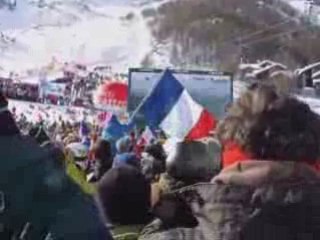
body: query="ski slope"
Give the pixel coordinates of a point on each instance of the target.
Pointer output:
(50, 113)
(89, 32)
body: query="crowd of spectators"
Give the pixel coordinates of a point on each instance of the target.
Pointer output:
(256, 178)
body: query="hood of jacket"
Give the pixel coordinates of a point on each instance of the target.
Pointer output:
(253, 173)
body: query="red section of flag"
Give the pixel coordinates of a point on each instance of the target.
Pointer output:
(203, 127)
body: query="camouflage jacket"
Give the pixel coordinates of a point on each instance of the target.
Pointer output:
(243, 203)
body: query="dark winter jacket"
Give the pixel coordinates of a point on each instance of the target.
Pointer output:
(257, 200)
(39, 135)
(38, 199)
(103, 157)
(7, 124)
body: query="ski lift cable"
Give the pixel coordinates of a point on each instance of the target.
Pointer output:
(247, 37)
(242, 38)
(273, 36)
(232, 40)
(227, 43)
(267, 38)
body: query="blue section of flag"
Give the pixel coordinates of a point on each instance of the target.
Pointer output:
(114, 130)
(161, 99)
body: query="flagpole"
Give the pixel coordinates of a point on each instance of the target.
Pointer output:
(146, 97)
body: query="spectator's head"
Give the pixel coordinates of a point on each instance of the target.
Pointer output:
(7, 123)
(192, 161)
(39, 134)
(124, 196)
(287, 130)
(153, 161)
(102, 150)
(263, 125)
(240, 115)
(123, 145)
(156, 151)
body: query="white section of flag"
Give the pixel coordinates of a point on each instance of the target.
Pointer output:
(147, 135)
(183, 117)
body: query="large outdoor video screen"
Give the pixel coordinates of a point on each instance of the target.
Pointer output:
(213, 90)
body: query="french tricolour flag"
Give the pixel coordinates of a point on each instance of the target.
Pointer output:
(146, 137)
(170, 107)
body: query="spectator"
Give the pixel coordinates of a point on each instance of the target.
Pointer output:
(233, 131)
(39, 134)
(126, 159)
(123, 145)
(59, 210)
(193, 162)
(7, 124)
(124, 154)
(102, 158)
(153, 162)
(133, 141)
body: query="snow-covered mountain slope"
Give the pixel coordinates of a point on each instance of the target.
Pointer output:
(300, 5)
(307, 8)
(111, 32)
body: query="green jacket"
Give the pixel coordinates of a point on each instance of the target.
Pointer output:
(38, 200)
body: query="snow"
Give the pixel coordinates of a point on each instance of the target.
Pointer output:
(314, 103)
(308, 67)
(300, 5)
(89, 32)
(305, 7)
(50, 113)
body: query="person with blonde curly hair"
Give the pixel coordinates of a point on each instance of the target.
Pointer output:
(233, 131)
(265, 125)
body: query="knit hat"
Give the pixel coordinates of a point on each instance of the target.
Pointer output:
(123, 145)
(3, 103)
(123, 196)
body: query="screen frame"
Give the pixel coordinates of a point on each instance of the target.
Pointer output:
(177, 71)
